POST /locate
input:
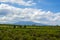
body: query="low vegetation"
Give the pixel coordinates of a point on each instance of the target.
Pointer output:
(27, 32)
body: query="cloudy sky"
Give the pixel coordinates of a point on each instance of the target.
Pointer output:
(38, 11)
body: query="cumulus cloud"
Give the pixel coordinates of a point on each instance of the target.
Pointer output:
(13, 15)
(20, 2)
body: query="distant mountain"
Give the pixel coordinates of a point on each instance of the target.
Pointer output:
(28, 23)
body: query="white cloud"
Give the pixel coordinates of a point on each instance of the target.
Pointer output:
(14, 15)
(20, 2)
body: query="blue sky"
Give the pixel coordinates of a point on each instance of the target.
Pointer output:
(39, 11)
(48, 5)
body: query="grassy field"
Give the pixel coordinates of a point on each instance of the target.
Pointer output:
(18, 32)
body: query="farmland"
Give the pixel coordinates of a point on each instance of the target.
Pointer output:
(29, 32)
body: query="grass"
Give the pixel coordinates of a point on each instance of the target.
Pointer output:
(18, 32)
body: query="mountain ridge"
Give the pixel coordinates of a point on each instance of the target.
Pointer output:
(28, 23)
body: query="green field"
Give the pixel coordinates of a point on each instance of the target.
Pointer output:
(19, 32)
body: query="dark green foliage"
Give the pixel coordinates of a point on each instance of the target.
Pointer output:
(24, 26)
(14, 26)
(20, 26)
(24, 32)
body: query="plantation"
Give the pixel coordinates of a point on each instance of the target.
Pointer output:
(23, 32)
